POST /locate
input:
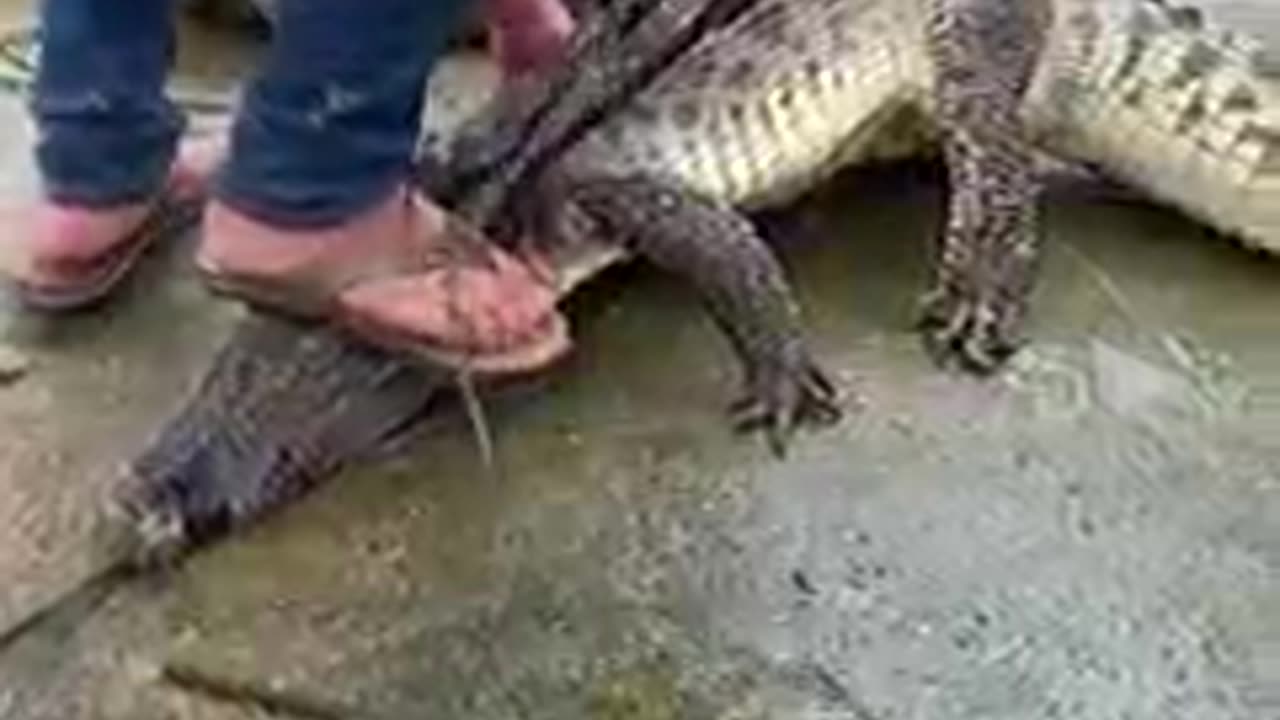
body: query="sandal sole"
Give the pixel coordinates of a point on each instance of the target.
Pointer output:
(535, 356)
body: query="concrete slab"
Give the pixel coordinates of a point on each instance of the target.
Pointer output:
(1093, 535)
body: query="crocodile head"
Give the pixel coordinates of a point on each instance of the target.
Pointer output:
(282, 406)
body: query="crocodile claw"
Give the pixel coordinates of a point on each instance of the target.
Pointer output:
(780, 399)
(976, 335)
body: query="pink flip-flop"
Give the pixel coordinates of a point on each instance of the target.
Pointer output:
(329, 293)
(98, 277)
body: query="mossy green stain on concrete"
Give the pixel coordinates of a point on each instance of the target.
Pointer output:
(637, 694)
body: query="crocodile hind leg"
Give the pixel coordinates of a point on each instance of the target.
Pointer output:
(985, 263)
(740, 282)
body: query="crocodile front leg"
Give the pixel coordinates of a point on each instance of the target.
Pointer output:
(739, 280)
(984, 265)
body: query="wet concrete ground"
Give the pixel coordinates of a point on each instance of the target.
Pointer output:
(1093, 535)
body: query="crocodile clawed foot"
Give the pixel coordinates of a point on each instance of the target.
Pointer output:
(780, 399)
(973, 334)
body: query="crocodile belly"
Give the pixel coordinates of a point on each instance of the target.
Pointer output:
(759, 116)
(1185, 111)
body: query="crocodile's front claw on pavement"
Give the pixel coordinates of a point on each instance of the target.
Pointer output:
(716, 250)
(974, 334)
(781, 398)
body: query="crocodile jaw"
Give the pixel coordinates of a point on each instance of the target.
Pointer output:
(1185, 111)
(282, 406)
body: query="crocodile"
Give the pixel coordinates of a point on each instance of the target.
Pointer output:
(643, 135)
(1141, 92)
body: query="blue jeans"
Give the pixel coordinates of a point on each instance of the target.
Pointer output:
(327, 128)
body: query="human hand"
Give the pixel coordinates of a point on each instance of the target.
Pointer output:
(526, 35)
